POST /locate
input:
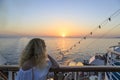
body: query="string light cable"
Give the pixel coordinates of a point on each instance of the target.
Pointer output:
(100, 26)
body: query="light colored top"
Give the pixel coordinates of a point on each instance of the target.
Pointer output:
(39, 74)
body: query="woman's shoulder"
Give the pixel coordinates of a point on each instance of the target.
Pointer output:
(27, 66)
(21, 70)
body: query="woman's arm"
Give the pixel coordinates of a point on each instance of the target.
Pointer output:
(54, 63)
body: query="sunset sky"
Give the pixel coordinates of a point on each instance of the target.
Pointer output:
(56, 17)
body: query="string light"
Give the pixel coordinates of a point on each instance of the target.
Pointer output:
(99, 27)
(109, 19)
(91, 33)
(67, 51)
(74, 45)
(84, 37)
(70, 48)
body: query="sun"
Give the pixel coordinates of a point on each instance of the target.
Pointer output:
(63, 35)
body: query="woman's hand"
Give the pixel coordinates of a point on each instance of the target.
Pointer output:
(54, 62)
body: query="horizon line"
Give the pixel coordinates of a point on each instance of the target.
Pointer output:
(19, 36)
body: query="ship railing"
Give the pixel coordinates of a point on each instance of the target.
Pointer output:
(10, 71)
(113, 59)
(113, 52)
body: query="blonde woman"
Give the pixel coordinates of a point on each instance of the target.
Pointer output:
(33, 62)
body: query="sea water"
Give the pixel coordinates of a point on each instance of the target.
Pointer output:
(11, 48)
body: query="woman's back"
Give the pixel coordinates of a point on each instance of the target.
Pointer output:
(34, 73)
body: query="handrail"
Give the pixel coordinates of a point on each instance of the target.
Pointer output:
(14, 68)
(89, 69)
(69, 69)
(114, 52)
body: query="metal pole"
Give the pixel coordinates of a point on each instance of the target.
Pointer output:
(9, 75)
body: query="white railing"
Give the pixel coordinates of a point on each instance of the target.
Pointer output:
(112, 59)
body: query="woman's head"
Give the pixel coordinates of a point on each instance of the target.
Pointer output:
(35, 49)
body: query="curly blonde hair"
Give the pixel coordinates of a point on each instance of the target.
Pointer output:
(36, 49)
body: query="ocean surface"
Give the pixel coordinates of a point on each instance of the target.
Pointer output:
(11, 48)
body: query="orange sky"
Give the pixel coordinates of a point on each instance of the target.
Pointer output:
(56, 18)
